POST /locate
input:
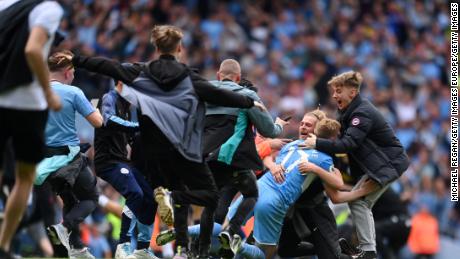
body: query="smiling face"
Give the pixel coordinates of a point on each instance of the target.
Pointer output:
(343, 95)
(307, 126)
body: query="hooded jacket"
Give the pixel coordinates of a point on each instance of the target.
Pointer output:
(171, 95)
(229, 135)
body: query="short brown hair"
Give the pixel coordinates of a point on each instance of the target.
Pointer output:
(166, 38)
(348, 79)
(327, 128)
(57, 62)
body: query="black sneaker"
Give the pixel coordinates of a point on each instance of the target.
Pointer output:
(347, 248)
(365, 255)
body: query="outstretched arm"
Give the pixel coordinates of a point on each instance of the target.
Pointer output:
(343, 196)
(333, 179)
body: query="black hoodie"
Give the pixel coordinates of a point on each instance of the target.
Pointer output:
(167, 72)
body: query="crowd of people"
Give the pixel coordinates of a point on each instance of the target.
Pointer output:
(290, 50)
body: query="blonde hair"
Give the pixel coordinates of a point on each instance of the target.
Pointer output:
(166, 38)
(327, 128)
(347, 79)
(318, 114)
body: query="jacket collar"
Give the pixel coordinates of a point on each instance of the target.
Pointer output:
(344, 114)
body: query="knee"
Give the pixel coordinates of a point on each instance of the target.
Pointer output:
(360, 203)
(214, 199)
(135, 194)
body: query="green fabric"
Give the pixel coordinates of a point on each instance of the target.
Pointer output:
(116, 224)
(54, 163)
(228, 149)
(342, 217)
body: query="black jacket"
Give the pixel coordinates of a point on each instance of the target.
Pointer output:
(167, 73)
(111, 139)
(14, 33)
(370, 143)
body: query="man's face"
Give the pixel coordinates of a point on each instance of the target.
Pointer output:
(343, 95)
(307, 126)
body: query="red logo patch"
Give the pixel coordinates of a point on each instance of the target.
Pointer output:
(355, 122)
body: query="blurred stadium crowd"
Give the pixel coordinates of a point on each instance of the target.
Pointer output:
(289, 50)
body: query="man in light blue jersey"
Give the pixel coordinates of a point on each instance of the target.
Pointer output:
(276, 198)
(64, 166)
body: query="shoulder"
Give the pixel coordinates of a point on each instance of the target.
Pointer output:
(50, 9)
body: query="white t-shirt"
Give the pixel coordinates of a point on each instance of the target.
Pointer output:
(31, 97)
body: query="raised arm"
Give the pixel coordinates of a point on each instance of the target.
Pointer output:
(222, 97)
(360, 125)
(125, 72)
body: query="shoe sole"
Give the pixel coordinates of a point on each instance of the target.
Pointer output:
(235, 245)
(164, 238)
(164, 206)
(54, 237)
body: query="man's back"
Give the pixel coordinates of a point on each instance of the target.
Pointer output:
(60, 128)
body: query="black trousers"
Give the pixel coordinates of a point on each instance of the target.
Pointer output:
(79, 201)
(230, 181)
(324, 235)
(190, 182)
(391, 235)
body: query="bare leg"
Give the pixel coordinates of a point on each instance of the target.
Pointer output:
(17, 202)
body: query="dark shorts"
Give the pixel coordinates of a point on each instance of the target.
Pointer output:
(26, 130)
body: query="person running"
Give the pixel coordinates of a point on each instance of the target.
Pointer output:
(27, 30)
(230, 148)
(171, 99)
(65, 168)
(113, 166)
(373, 150)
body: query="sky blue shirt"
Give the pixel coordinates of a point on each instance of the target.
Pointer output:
(296, 182)
(60, 128)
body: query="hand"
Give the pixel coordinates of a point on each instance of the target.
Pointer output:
(310, 142)
(260, 106)
(369, 186)
(53, 100)
(278, 173)
(65, 55)
(281, 122)
(278, 143)
(306, 167)
(119, 86)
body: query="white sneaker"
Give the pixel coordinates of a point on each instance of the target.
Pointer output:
(82, 253)
(123, 251)
(59, 235)
(145, 253)
(165, 209)
(236, 244)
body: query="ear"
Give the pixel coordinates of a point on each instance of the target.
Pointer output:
(218, 75)
(238, 79)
